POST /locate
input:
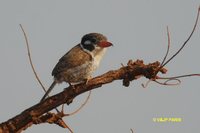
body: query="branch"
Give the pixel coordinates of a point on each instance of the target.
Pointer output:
(36, 114)
(39, 113)
(30, 59)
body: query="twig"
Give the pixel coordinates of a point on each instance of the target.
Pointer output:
(168, 46)
(195, 25)
(29, 57)
(175, 78)
(87, 99)
(181, 76)
(168, 80)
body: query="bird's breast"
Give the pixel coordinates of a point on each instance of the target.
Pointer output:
(97, 57)
(80, 73)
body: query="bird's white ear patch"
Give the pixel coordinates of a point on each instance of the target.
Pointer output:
(88, 42)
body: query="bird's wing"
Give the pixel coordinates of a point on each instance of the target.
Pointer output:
(75, 57)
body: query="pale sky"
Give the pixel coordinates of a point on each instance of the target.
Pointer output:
(137, 28)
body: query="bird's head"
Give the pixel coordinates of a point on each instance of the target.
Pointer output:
(94, 41)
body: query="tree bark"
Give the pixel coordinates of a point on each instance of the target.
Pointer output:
(39, 113)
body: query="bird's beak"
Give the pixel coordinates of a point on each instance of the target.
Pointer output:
(104, 44)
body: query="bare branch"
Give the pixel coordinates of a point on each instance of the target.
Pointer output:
(76, 111)
(29, 57)
(181, 76)
(31, 116)
(195, 25)
(168, 46)
(175, 78)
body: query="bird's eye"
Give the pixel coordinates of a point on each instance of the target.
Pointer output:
(88, 42)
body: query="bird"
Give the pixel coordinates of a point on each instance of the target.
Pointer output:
(79, 63)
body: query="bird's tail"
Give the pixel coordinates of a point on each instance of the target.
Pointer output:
(48, 91)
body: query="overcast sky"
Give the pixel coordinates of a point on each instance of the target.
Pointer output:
(137, 28)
